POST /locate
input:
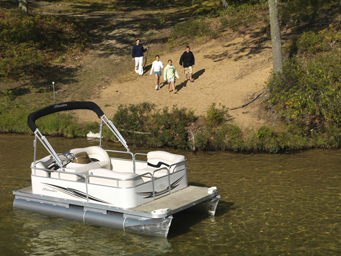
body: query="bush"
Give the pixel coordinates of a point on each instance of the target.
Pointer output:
(216, 134)
(192, 28)
(143, 125)
(29, 42)
(242, 14)
(297, 12)
(216, 116)
(309, 88)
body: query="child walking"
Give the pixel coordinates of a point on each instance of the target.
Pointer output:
(169, 75)
(157, 66)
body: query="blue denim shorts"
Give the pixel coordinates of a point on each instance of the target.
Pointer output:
(157, 73)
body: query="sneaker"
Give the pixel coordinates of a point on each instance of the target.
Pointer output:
(156, 87)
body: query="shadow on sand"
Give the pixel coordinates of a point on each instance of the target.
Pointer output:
(194, 76)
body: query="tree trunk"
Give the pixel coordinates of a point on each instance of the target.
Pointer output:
(23, 6)
(275, 37)
(225, 4)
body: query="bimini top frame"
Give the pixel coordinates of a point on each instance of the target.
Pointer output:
(64, 107)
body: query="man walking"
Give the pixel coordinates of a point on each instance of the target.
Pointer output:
(187, 62)
(137, 54)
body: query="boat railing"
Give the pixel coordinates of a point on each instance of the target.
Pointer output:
(86, 177)
(176, 164)
(168, 170)
(124, 152)
(134, 159)
(38, 168)
(122, 179)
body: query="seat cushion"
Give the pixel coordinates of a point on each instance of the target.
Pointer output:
(120, 179)
(159, 159)
(95, 152)
(75, 168)
(155, 157)
(39, 171)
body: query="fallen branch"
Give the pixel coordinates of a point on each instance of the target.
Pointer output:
(248, 102)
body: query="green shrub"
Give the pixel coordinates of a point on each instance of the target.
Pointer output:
(143, 125)
(309, 88)
(192, 28)
(296, 12)
(216, 116)
(29, 42)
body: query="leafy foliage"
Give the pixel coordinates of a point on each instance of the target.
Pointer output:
(296, 12)
(309, 88)
(192, 28)
(29, 42)
(143, 125)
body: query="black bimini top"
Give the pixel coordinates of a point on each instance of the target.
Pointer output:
(62, 107)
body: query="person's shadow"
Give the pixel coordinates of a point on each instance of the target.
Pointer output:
(180, 86)
(164, 84)
(198, 74)
(194, 76)
(147, 68)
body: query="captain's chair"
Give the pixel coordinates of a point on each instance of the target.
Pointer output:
(96, 154)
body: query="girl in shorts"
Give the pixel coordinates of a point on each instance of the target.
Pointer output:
(157, 66)
(169, 75)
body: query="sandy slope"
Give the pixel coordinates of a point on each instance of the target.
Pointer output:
(227, 71)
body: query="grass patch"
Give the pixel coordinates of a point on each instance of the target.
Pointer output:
(29, 43)
(14, 119)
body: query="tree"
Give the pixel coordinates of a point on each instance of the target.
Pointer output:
(277, 56)
(23, 6)
(225, 4)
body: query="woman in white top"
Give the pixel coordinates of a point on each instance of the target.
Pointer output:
(157, 66)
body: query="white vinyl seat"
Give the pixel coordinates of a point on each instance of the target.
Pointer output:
(95, 152)
(159, 159)
(120, 179)
(77, 169)
(41, 165)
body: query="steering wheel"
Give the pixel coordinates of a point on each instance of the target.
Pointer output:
(68, 158)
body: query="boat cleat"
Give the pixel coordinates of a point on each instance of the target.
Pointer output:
(212, 190)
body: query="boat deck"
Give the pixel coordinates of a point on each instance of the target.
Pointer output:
(176, 202)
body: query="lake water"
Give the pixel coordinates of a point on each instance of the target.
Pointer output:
(270, 205)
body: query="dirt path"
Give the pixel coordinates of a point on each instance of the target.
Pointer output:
(229, 71)
(226, 72)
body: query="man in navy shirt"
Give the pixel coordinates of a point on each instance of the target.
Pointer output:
(137, 54)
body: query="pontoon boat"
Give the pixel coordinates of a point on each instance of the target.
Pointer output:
(88, 185)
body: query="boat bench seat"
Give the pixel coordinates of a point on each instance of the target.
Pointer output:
(42, 164)
(159, 159)
(95, 152)
(118, 179)
(77, 169)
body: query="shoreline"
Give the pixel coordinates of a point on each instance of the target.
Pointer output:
(191, 133)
